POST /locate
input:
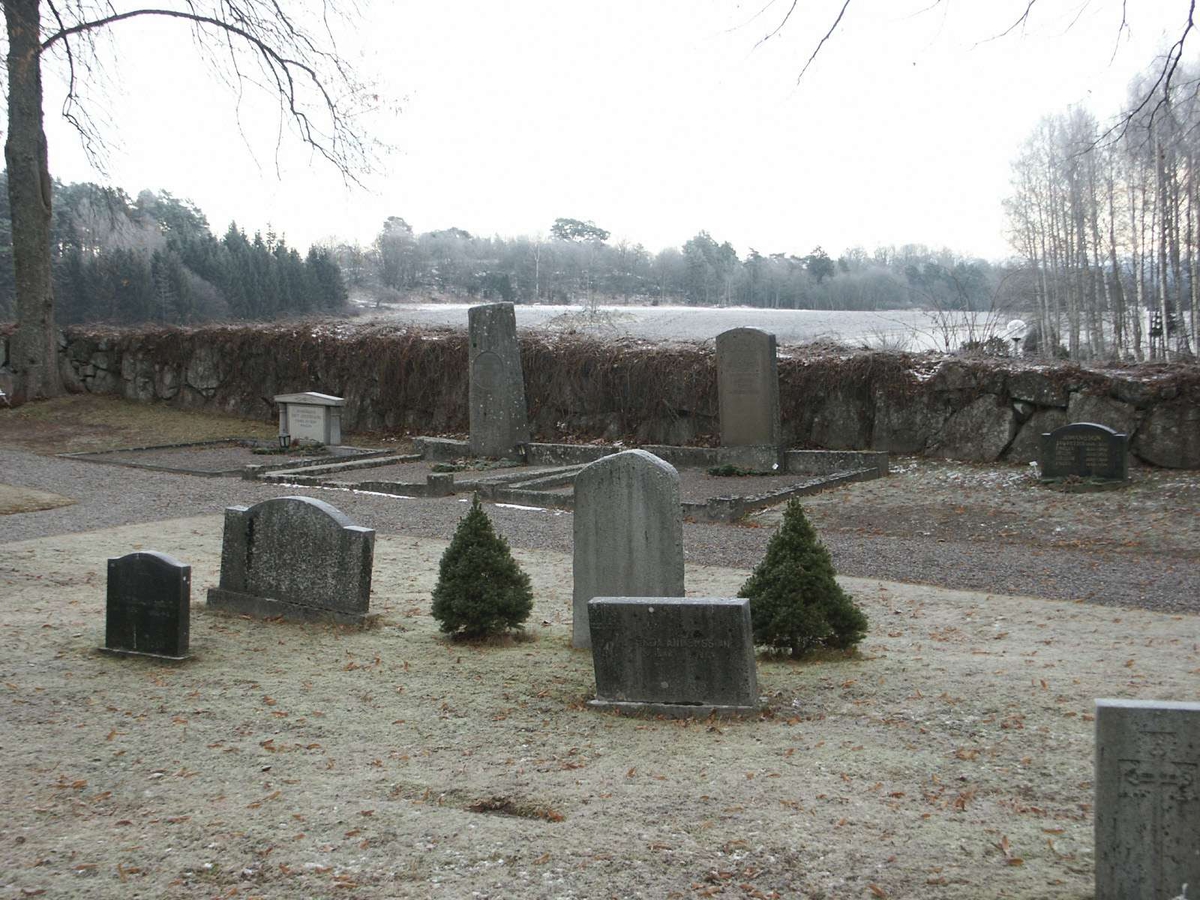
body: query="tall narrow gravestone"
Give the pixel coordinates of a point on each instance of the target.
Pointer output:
(628, 533)
(748, 388)
(149, 606)
(499, 420)
(297, 558)
(677, 656)
(1147, 799)
(1084, 450)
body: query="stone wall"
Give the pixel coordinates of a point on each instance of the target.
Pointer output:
(578, 389)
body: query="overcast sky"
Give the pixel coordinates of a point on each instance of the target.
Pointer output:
(653, 118)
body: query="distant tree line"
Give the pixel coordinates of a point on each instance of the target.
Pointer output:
(1108, 223)
(154, 259)
(576, 263)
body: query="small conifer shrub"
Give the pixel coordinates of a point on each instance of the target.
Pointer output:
(795, 603)
(480, 590)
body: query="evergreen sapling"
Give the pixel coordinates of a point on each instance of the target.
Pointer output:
(480, 590)
(795, 602)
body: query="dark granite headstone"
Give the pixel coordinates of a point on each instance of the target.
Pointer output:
(1147, 799)
(1084, 450)
(498, 417)
(149, 605)
(297, 558)
(748, 388)
(680, 656)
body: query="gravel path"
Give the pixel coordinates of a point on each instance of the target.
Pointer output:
(952, 525)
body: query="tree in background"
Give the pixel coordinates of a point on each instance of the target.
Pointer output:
(317, 95)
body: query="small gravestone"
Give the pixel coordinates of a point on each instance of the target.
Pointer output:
(1084, 450)
(679, 656)
(748, 388)
(311, 417)
(297, 558)
(149, 606)
(1147, 799)
(499, 420)
(628, 533)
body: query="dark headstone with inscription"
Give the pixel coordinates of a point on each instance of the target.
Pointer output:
(498, 416)
(149, 606)
(1147, 799)
(677, 656)
(748, 388)
(1084, 450)
(297, 558)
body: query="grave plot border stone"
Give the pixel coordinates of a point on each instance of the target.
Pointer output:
(148, 606)
(319, 571)
(674, 656)
(748, 388)
(1084, 450)
(628, 533)
(1147, 811)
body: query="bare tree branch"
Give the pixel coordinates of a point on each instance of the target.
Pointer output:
(821, 43)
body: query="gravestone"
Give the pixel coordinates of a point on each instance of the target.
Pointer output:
(679, 656)
(1084, 450)
(748, 388)
(1147, 799)
(628, 533)
(297, 558)
(149, 606)
(499, 419)
(311, 417)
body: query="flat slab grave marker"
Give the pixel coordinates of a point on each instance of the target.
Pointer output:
(1085, 450)
(149, 606)
(677, 656)
(499, 418)
(1147, 799)
(748, 388)
(311, 417)
(628, 529)
(297, 558)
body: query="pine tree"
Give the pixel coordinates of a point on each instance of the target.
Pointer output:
(795, 602)
(480, 589)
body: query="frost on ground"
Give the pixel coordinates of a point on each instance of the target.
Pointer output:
(953, 757)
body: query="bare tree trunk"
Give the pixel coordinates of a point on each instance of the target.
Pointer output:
(1118, 290)
(1163, 307)
(34, 347)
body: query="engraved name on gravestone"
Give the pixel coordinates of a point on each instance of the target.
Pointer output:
(628, 529)
(297, 558)
(149, 605)
(311, 417)
(1085, 450)
(673, 655)
(1147, 799)
(499, 419)
(747, 387)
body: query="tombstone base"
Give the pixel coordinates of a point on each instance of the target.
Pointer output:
(223, 600)
(675, 710)
(116, 651)
(1073, 484)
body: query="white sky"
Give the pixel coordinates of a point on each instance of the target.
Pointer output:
(653, 118)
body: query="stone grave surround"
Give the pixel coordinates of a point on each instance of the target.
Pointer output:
(628, 533)
(1084, 450)
(678, 656)
(1147, 812)
(149, 604)
(311, 417)
(295, 557)
(748, 388)
(498, 415)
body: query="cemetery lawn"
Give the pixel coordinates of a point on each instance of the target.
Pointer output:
(952, 757)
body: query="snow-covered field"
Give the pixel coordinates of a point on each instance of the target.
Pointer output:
(893, 329)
